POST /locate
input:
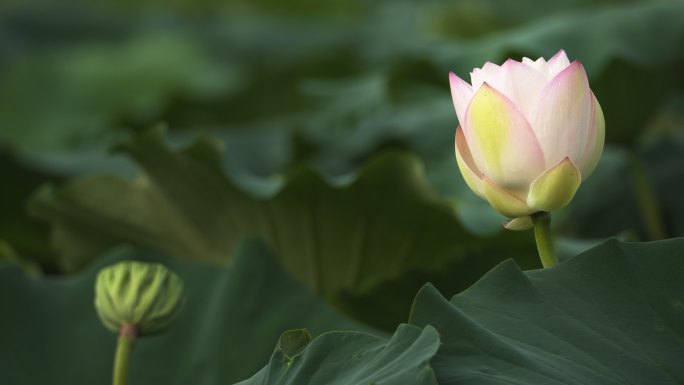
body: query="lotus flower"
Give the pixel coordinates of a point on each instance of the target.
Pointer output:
(530, 132)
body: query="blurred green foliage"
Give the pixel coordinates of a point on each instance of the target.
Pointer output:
(341, 241)
(323, 128)
(329, 85)
(225, 332)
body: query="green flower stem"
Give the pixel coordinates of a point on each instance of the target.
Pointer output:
(127, 336)
(646, 199)
(542, 234)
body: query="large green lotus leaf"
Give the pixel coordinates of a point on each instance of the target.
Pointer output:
(351, 358)
(336, 239)
(612, 315)
(225, 333)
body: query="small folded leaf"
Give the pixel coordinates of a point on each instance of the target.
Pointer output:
(293, 341)
(351, 358)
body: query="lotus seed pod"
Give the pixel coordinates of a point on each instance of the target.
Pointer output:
(146, 295)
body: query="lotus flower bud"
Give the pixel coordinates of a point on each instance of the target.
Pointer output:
(530, 132)
(146, 295)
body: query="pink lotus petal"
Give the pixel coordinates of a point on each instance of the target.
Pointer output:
(491, 68)
(484, 75)
(557, 63)
(461, 93)
(521, 83)
(561, 116)
(539, 64)
(470, 172)
(595, 139)
(478, 77)
(501, 140)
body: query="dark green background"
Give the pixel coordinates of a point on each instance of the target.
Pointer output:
(324, 129)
